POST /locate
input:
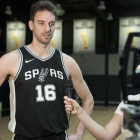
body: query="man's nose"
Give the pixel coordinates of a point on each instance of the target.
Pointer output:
(47, 27)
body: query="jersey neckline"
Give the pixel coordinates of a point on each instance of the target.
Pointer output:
(42, 59)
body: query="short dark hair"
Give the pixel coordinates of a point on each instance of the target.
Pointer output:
(42, 6)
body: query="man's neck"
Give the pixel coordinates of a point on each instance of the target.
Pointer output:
(41, 50)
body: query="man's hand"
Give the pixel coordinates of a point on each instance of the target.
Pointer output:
(75, 136)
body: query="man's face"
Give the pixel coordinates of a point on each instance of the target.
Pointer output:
(43, 26)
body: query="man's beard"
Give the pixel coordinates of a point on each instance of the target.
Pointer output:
(47, 41)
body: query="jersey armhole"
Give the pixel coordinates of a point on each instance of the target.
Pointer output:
(63, 64)
(20, 64)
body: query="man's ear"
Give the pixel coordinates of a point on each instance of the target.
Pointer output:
(30, 25)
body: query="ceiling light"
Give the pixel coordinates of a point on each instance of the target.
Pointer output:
(102, 5)
(109, 17)
(8, 10)
(60, 11)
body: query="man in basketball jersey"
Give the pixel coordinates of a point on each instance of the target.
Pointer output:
(37, 78)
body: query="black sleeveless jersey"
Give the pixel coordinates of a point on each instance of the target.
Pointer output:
(36, 98)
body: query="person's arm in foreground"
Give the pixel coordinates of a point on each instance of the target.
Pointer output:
(111, 130)
(83, 92)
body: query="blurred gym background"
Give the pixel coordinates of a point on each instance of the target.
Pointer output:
(93, 32)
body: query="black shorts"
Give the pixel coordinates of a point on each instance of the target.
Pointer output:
(61, 136)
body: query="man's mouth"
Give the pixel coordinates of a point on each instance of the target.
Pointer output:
(46, 35)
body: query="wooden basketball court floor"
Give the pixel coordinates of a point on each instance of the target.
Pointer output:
(101, 115)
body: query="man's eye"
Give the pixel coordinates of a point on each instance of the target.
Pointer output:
(41, 23)
(51, 24)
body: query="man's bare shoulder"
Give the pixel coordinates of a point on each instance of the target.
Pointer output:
(10, 57)
(13, 55)
(68, 59)
(8, 65)
(71, 64)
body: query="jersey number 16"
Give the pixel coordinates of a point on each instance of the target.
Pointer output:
(49, 92)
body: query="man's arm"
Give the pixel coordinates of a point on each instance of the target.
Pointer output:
(82, 91)
(8, 65)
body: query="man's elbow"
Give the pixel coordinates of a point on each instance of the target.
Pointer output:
(90, 101)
